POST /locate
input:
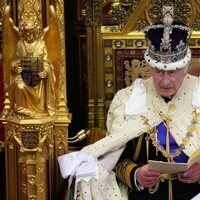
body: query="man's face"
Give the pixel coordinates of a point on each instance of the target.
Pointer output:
(167, 83)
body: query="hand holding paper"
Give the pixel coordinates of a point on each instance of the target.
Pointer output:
(165, 167)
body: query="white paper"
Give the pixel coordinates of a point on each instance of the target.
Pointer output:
(165, 167)
(197, 197)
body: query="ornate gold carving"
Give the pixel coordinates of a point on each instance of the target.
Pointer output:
(61, 25)
(30, 10)
(122, 9)
(31, 145)
(94, 43)
(32, 179)
(61, 140)
(31, 148)
(93, 12)
(135, 68)
(140, 13)
(196, 25)
(29, 137)
(140, 24)
(182, 9)
(3, 4)
(6, 109)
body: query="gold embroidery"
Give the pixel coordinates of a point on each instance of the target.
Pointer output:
(123, 170)
(172, 107)
(153, 132)
(147, 138)
(138, 147)
(127, 174)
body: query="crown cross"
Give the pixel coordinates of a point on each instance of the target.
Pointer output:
(168, 12)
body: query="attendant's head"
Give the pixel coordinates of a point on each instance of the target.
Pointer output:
(168, 54)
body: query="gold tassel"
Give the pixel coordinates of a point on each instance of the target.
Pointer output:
(170, 195)
(147, 146)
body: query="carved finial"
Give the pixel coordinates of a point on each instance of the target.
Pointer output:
(6, 110)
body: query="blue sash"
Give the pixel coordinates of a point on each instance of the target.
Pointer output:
(162, 131)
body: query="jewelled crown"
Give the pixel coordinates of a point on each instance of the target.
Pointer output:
(168, 43)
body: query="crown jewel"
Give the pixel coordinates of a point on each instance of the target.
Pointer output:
(167, 41)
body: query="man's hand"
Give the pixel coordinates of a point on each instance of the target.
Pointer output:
(192, 175)
(146, 178)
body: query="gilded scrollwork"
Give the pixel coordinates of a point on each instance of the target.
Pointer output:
(61, 139)
(24, 188)
(93, 12)
(121, 11)
(196, 26)
(30, 138)
(32, 179)
(182, 7)
(148, 12)
(61, 25)
(140, 25)
(3, 4)
(30, 9)
(135, 68)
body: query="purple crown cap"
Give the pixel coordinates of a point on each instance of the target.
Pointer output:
(168, 38)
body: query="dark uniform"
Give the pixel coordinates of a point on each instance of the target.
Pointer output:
(134, 156)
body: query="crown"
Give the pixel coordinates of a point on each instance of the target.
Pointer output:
(168, 43)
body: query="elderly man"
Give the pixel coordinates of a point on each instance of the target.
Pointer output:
(169, 95)
(154, 119)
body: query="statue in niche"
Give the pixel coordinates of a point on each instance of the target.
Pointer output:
(33, 74)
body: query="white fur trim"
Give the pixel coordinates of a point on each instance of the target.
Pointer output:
(168, 66)
(196, 97)
(136, 104)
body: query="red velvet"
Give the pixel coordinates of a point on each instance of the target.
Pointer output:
(1, 100)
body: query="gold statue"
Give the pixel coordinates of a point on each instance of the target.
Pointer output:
(32, 80)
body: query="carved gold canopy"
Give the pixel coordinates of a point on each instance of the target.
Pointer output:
(133, 15)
